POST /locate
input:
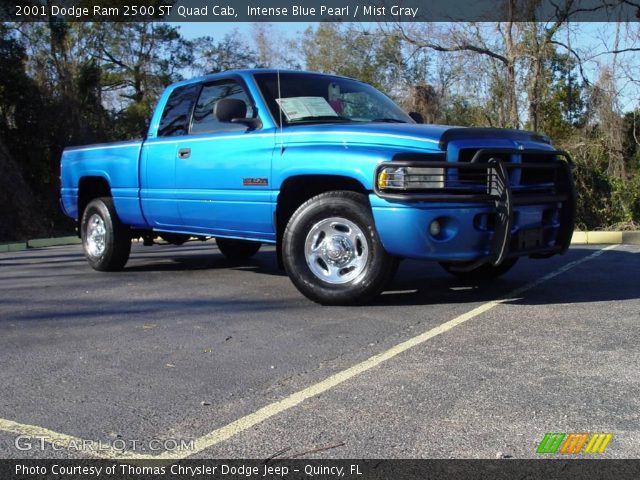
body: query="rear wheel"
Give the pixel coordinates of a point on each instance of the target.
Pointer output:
(106, 241)
(483, 272)
(332, 252)
(237, 249)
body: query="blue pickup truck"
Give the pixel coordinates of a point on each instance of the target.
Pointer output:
(332, 172)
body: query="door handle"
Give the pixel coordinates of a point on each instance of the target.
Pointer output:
(184, 153)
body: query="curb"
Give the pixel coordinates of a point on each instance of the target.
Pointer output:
(39, 243)
(606, 238)
(579, 238)
(12, 247)
(52, 242)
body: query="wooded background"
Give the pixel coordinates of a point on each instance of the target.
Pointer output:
(64, 84)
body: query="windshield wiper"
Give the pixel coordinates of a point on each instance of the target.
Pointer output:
(388, 120)
(321, 118)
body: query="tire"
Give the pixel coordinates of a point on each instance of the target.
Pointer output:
(483, 272)
(237, 249)
(106, 241)
(332, 253)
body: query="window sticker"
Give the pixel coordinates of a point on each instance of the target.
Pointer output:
(296, 108)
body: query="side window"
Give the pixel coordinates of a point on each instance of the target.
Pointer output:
(175, 118)
(203, 118)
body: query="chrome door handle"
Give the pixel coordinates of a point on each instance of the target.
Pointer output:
(184, 153)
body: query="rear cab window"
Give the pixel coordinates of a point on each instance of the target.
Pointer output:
(177, 111)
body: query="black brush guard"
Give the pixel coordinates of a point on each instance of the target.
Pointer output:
(487, 183)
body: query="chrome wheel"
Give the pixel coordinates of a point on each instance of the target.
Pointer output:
(336, 250)
(95, 242)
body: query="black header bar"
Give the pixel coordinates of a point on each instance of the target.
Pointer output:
(372, 469)
(321, 11)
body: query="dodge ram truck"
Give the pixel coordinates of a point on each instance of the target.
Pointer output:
(331, 171)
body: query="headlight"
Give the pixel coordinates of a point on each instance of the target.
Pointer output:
(410, 178)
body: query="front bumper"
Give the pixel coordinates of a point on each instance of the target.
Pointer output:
(484, 211)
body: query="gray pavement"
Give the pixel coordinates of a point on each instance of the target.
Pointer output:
(184, 342)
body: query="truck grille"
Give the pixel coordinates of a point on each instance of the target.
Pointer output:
(538, 176)
(470, 177)
(521, 176)
(535, 170)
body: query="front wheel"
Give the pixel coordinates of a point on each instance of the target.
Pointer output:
(106, 241)
(483, 272)
(332, 252)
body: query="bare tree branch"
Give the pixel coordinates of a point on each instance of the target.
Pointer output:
(576, 55)
(464, 46)
(621, 50)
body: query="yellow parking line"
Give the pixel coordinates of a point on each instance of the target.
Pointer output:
(224, 433)
(244, 423)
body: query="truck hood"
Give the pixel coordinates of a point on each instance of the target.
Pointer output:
(430, 137)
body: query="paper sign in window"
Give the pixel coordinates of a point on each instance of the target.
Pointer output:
(300, 107)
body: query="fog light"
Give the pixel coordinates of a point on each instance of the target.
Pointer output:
(434, 228)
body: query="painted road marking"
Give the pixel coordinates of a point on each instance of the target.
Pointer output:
(244, 423)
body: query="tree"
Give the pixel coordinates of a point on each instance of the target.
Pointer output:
(139, 60)
(229, 53)
(28, 186)
(273, 49)
(498, 54)
(513, 55)
(345, 50)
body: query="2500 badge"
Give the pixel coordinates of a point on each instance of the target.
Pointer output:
(255, 182)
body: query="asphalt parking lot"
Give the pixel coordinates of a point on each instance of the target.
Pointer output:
(186, 346)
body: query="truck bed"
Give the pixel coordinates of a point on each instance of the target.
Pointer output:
(117, 164)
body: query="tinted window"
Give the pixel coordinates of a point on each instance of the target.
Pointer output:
(175, 118)
(203, 118)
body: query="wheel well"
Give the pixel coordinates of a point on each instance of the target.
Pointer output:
(90, 188)
(297, 190)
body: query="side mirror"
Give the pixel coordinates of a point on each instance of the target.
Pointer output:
(416, 117)
(234, 111)
(226, 109)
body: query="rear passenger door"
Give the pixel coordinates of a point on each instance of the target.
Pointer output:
(223, 169)
(158, 192)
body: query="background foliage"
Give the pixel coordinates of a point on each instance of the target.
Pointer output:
(65, 84)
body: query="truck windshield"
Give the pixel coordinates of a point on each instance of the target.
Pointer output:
(305, 98)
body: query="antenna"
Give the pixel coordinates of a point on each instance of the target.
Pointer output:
(280, 111)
